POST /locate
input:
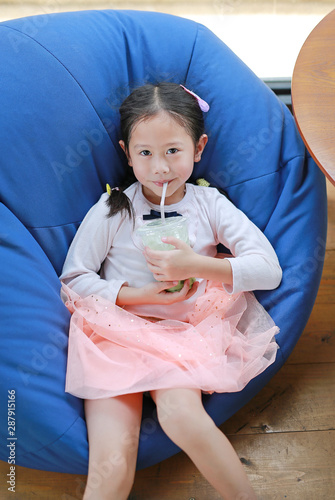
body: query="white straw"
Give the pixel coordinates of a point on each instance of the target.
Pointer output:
(165, 185)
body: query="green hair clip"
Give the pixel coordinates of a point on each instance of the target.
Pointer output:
(202, 182)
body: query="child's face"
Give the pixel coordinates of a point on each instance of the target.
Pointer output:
(161, 150)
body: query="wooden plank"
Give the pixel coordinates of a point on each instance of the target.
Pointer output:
(331, 216)
(329, 267)
(327, 284)
(33, 484)
(322, 318)
(298, 398)
(174, 478)
(314, 346)
(296, 466)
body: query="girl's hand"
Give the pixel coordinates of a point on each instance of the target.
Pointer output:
(155, 293)
(170, 265)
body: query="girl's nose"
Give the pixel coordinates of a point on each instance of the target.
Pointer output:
(161, 166)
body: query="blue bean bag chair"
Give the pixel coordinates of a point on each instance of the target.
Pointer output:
(63, 78)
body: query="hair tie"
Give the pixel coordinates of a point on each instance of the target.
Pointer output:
(109, 189)
(202, 104)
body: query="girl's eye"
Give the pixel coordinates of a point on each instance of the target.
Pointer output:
(172, 151)
(145, 152)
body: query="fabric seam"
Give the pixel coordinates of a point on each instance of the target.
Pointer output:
(66, 69)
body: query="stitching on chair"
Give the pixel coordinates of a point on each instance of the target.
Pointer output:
(193, 49)
(281, 166)
(52, 442)
(66, 69)
(70, 224)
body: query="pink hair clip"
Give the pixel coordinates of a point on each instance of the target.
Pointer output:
(202, 104)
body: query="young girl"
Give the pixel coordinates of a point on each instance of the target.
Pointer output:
(129, 335)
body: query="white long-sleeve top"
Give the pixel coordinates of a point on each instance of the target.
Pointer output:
(106, 252)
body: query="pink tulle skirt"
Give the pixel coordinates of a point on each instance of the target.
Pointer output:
(227, 341)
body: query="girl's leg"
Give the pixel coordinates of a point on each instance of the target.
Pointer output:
(113, 427)
(186, 422)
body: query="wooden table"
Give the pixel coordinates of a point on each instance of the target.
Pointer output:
(313, 94)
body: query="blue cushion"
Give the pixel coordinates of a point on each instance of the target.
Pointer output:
(65, 77)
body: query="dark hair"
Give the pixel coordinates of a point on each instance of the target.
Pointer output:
(143, 103)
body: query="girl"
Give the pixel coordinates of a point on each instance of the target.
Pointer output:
(129, 335)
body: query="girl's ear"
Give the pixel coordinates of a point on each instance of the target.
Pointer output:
(123, 146)
(200, 147)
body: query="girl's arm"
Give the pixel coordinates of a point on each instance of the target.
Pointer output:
(88, 250)
(253, 265)
(155, 293)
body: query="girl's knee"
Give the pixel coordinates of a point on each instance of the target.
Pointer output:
(181, 418)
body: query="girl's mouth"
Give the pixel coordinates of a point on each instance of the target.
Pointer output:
(160, 184)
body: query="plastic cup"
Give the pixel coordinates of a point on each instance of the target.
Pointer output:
(152, 233)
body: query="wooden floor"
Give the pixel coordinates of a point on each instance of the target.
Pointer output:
(285, 436)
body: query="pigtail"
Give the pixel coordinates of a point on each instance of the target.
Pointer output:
(117, 200)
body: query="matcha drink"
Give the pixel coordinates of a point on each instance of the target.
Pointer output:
(153, 232)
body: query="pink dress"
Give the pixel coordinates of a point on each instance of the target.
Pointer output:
(226, 341)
